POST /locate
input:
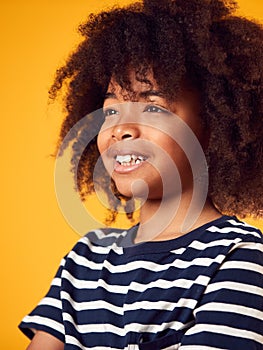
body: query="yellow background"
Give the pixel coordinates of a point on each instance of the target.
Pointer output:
(36, 36)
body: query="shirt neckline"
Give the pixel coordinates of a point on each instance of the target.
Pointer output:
(151, 247)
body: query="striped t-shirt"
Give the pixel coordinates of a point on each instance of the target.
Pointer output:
(203, 290)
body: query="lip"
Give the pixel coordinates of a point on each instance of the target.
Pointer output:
(114, 152)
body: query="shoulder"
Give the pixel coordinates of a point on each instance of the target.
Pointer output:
(231, 227)
(246, 249)
(228, 236)
(99, 242)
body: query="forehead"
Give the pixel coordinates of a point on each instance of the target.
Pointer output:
(135, 85)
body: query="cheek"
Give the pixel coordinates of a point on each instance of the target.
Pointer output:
(102, 142)
(103, 145)
(172, 158)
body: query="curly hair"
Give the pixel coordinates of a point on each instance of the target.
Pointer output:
(202, 41)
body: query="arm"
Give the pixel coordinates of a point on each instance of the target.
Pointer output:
(45, 341)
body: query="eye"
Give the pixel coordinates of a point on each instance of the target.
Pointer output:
(155, 109)
(109, 112)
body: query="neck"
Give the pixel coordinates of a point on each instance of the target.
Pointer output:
(159, 219)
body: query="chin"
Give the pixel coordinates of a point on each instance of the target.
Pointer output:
(136, 188)
(140, 190)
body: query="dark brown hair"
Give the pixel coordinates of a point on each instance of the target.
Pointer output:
(201, 40)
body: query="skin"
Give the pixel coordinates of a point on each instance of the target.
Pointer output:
(45, 341)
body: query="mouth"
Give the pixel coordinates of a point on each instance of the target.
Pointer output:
(127, 163)
(125, 157)
(130, 159)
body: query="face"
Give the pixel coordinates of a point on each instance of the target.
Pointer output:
(139, 140)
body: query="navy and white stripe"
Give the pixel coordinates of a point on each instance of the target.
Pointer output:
(202, 291)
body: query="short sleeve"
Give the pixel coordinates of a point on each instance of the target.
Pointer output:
(47, 316)
(230, 314)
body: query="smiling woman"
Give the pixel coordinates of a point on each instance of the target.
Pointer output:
(177, 116)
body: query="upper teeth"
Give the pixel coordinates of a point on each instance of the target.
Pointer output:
(129, 158)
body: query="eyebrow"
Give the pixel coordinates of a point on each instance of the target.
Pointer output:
(143, 94)
(149, 93)
(109, 95)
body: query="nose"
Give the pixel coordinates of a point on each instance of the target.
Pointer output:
(125, 131)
